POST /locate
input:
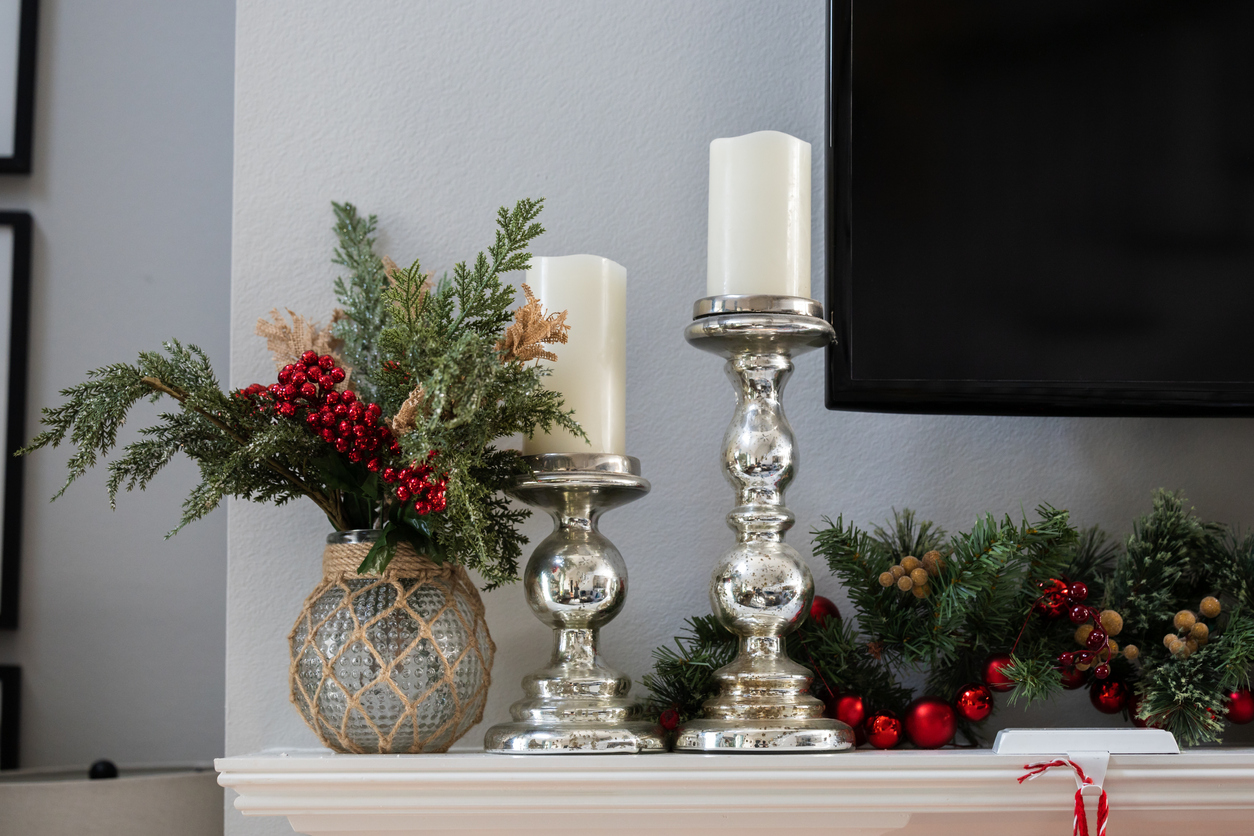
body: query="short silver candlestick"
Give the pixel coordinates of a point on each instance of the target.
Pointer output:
(576, 582)
(761, 589)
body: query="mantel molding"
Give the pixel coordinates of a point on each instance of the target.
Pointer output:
(862, 792)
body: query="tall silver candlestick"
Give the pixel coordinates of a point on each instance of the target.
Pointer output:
(576, 582)
(761, 589)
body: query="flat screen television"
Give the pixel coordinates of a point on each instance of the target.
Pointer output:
(1041, 206)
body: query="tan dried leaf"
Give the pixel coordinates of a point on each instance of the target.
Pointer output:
(531, 329)
(406, 417)
(288, 342)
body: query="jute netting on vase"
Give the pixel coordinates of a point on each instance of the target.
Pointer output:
(391, 663)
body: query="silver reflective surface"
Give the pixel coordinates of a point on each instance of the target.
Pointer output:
(760, 589)
(575, 583)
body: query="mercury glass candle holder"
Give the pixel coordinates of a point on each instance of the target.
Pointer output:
(762, 588)
(576, 582)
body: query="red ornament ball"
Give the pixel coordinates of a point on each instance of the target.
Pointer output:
(1055, 599)
(1072, 677)
(974, 702)
(993, 676)
(884, 730)
(1240, 706)
(1110, 696)
(669, 719)
(821, 609)
(931, 722)
(850, 710)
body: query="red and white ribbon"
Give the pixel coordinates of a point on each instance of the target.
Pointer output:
(1080, 824)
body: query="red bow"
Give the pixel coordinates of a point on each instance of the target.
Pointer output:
(1080, 824)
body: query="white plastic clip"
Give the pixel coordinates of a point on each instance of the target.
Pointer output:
(1094, 765)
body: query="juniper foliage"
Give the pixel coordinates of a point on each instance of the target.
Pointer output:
(240, 452)
(366, 310)
(439, 344)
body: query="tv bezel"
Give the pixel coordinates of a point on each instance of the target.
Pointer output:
(961, 397)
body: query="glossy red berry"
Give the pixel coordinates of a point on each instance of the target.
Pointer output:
(1079, 614)
(350, 397)
(402, 493)
(327, 362)
(1078, 591)
(1096, 640)
(308, 357)
(1101, 671)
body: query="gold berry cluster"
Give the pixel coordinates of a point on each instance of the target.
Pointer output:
(1191, 632)
(1111, 625)
(913, 575)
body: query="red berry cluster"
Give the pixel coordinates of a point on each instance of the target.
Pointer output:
(418, 483)
(301, 386)
(1097, 652)
(353, 429)
(307, 389)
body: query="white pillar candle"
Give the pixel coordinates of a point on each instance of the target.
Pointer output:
(591, 368)
(759, 215)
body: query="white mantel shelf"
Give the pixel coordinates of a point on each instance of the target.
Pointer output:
(864, 792)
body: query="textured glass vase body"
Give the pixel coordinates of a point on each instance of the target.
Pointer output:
(398, 663)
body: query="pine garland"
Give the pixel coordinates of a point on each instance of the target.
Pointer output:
(982, 601)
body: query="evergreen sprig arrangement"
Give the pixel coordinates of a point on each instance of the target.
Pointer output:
(396, 431)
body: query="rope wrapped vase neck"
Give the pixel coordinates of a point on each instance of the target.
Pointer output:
(344, 558)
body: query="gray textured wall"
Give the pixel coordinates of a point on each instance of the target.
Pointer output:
(121, 631)
(432, 115)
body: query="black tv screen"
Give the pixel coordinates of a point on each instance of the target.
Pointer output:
(1042, 206)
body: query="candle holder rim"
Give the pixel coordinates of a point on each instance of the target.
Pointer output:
(534, 488)
(756, 303)
(548, 463)
(728, 335)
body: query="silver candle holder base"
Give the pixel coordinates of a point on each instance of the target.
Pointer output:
(761, 589)
(576, 582)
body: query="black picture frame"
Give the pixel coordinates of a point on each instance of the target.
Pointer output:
(10, 715)
(15, 411)
(24, 99)
(845, 391)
